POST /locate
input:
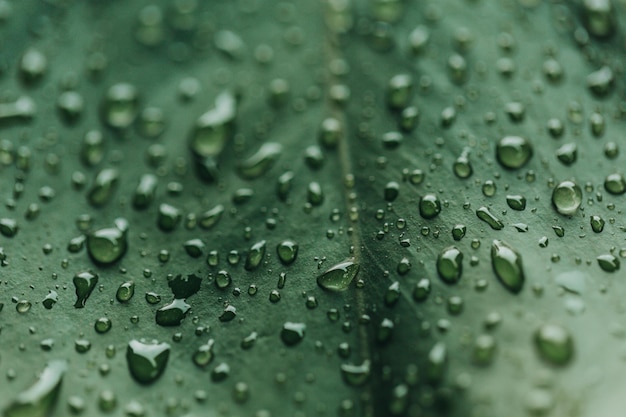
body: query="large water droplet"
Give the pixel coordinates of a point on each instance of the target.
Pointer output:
(147, 361)
(105, 246)
(339, 276)
(215, 127)
(103, 187)
(292, 333)
(259, 163)
(84, 282)
(484, 214)
(507, 265)
(513, 152)
(554, 344)
(356, 375)
(120, 106)
(173, 313)
(287, 251)
(39, 400)
(450, 265)
(567, 197)
(255, 255)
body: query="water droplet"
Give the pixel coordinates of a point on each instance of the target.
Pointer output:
(339, 276)
(103, 187)
(120, 106)
(484, 350)
(85, 282)
(125, 291)
(450, 265)
(567, 197)
(437, 362)
(315, 195)
(211, 217)
(102, 325)
(516, 202)
(513, 152)
(49, 301)
(106, 246)
(8, 227)
(600, 82)
(608, 262)
(399, 91)
(430, 206)
(33, 66)
(145, 192)
(422, 289)
(229, 313)
(597, 223)
(292, 333)
(554, 344)
(169, 217)
(255, 255)
(356, 375)
(615, 184)
(214, 128)
(259, 163)
(507, 265)
(204, 354)
(172, 314)
(287, 251)
(147, 361)
(40, 399)
(484, 214)
(599, 17)
(184, 286)
(194, 247)
(567, 154)
(462, 167)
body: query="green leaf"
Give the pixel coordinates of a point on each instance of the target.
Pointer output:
(352, 208)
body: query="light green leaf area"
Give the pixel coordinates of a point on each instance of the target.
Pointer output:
(313, 208)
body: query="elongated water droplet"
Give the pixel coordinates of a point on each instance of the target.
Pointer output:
(84, 282)
(255, 255)
(339, 276)
(259, 163)
(554, 344)
(437, 362)
(147, 361)
(430, 206)
(39, 400)
(484, 214)
(356, 375)
(214, 128)
(103, 187)
(125, 292)
(145, 191)
(507, 265)
(450, 265)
